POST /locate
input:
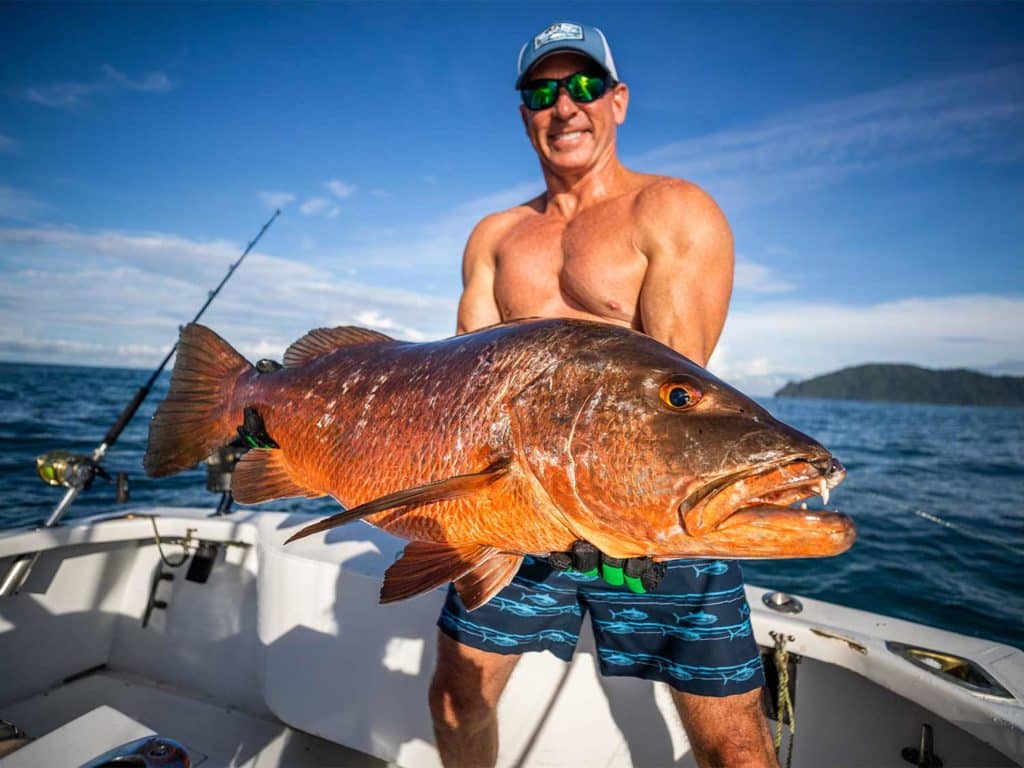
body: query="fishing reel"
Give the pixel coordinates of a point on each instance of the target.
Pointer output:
(72, 470)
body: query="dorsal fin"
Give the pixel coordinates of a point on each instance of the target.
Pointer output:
(320, 341)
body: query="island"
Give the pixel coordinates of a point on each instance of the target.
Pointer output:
(896, 383)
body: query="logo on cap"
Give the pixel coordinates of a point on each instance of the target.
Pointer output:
(556, 32)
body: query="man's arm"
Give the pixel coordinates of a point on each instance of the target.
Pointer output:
(477, 305)
(689, 250)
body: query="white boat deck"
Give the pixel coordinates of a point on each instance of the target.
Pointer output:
(215, 733)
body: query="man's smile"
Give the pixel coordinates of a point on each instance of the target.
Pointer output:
(566, 139)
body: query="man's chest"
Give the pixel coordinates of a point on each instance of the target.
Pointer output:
(589, 265)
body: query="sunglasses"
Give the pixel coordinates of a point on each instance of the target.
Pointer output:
(581, 87)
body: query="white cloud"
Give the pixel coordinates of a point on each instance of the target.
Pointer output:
(18, 205)
(314, 206)
(276, 199)
(371, 318)
(979, 115)
(69, 95)
(118, 298)
(160, 253)
(340, 189)
(154, 82)
(440, 243)
(765, 345)
(319, 206)
(758, 278)
(7, 144)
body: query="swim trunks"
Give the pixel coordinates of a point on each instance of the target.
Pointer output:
(693, 633)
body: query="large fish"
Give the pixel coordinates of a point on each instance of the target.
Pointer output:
(518, 439)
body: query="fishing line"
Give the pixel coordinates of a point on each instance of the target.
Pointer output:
(961, 529)
(968, 532)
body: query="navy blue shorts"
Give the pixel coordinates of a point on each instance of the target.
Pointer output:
(693, 633)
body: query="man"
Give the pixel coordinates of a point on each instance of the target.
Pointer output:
(647, 252)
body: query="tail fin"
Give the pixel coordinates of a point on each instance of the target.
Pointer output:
(194, 418)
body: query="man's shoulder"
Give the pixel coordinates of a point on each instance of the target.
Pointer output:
(667, 204)
(668, 212)
(660, 194)
(506, 218)
(494, 226)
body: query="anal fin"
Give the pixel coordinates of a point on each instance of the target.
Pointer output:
(264, 475)
(483, 582)
(425, 565)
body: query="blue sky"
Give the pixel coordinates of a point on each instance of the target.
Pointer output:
(870, 158)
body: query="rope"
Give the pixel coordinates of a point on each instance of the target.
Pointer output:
(785, 706)
(160, 549)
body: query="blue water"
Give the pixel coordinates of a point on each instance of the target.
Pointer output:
(962, 465)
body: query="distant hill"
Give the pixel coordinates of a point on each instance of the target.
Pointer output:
(910, 384)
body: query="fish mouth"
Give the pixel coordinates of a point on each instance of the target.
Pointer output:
(755, 494)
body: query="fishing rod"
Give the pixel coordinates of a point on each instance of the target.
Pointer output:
(76, 472)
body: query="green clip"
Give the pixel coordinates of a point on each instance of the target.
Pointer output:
(612, 574)
(253, 442)
(592, 572)
(635, 585)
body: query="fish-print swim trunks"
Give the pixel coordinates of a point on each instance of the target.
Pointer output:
(693, 633)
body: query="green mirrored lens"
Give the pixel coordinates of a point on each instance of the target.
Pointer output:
(584, 88)
(542, 95)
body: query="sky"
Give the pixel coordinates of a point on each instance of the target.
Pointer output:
(869, 158)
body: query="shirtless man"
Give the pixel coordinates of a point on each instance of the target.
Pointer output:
(647, 252)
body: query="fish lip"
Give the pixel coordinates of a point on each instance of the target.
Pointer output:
(832, 472)
(814, 533)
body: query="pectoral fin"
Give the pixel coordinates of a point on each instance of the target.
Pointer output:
(425, 565)
(479, 572)
(265, 475)
(490, 577)
(439, 490)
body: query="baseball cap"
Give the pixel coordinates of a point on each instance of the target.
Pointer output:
(566, 36)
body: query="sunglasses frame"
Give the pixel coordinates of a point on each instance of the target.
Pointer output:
(608, 83)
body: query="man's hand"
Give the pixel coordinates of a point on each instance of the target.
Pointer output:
(640, 574)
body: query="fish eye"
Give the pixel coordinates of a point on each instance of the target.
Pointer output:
(679, 395)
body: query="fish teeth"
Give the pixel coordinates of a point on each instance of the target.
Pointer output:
(823, 490)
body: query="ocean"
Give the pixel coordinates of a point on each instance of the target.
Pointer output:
(936, 492)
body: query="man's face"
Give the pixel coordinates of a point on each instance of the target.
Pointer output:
(571, 137)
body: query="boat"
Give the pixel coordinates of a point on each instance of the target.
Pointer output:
(166, 628)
